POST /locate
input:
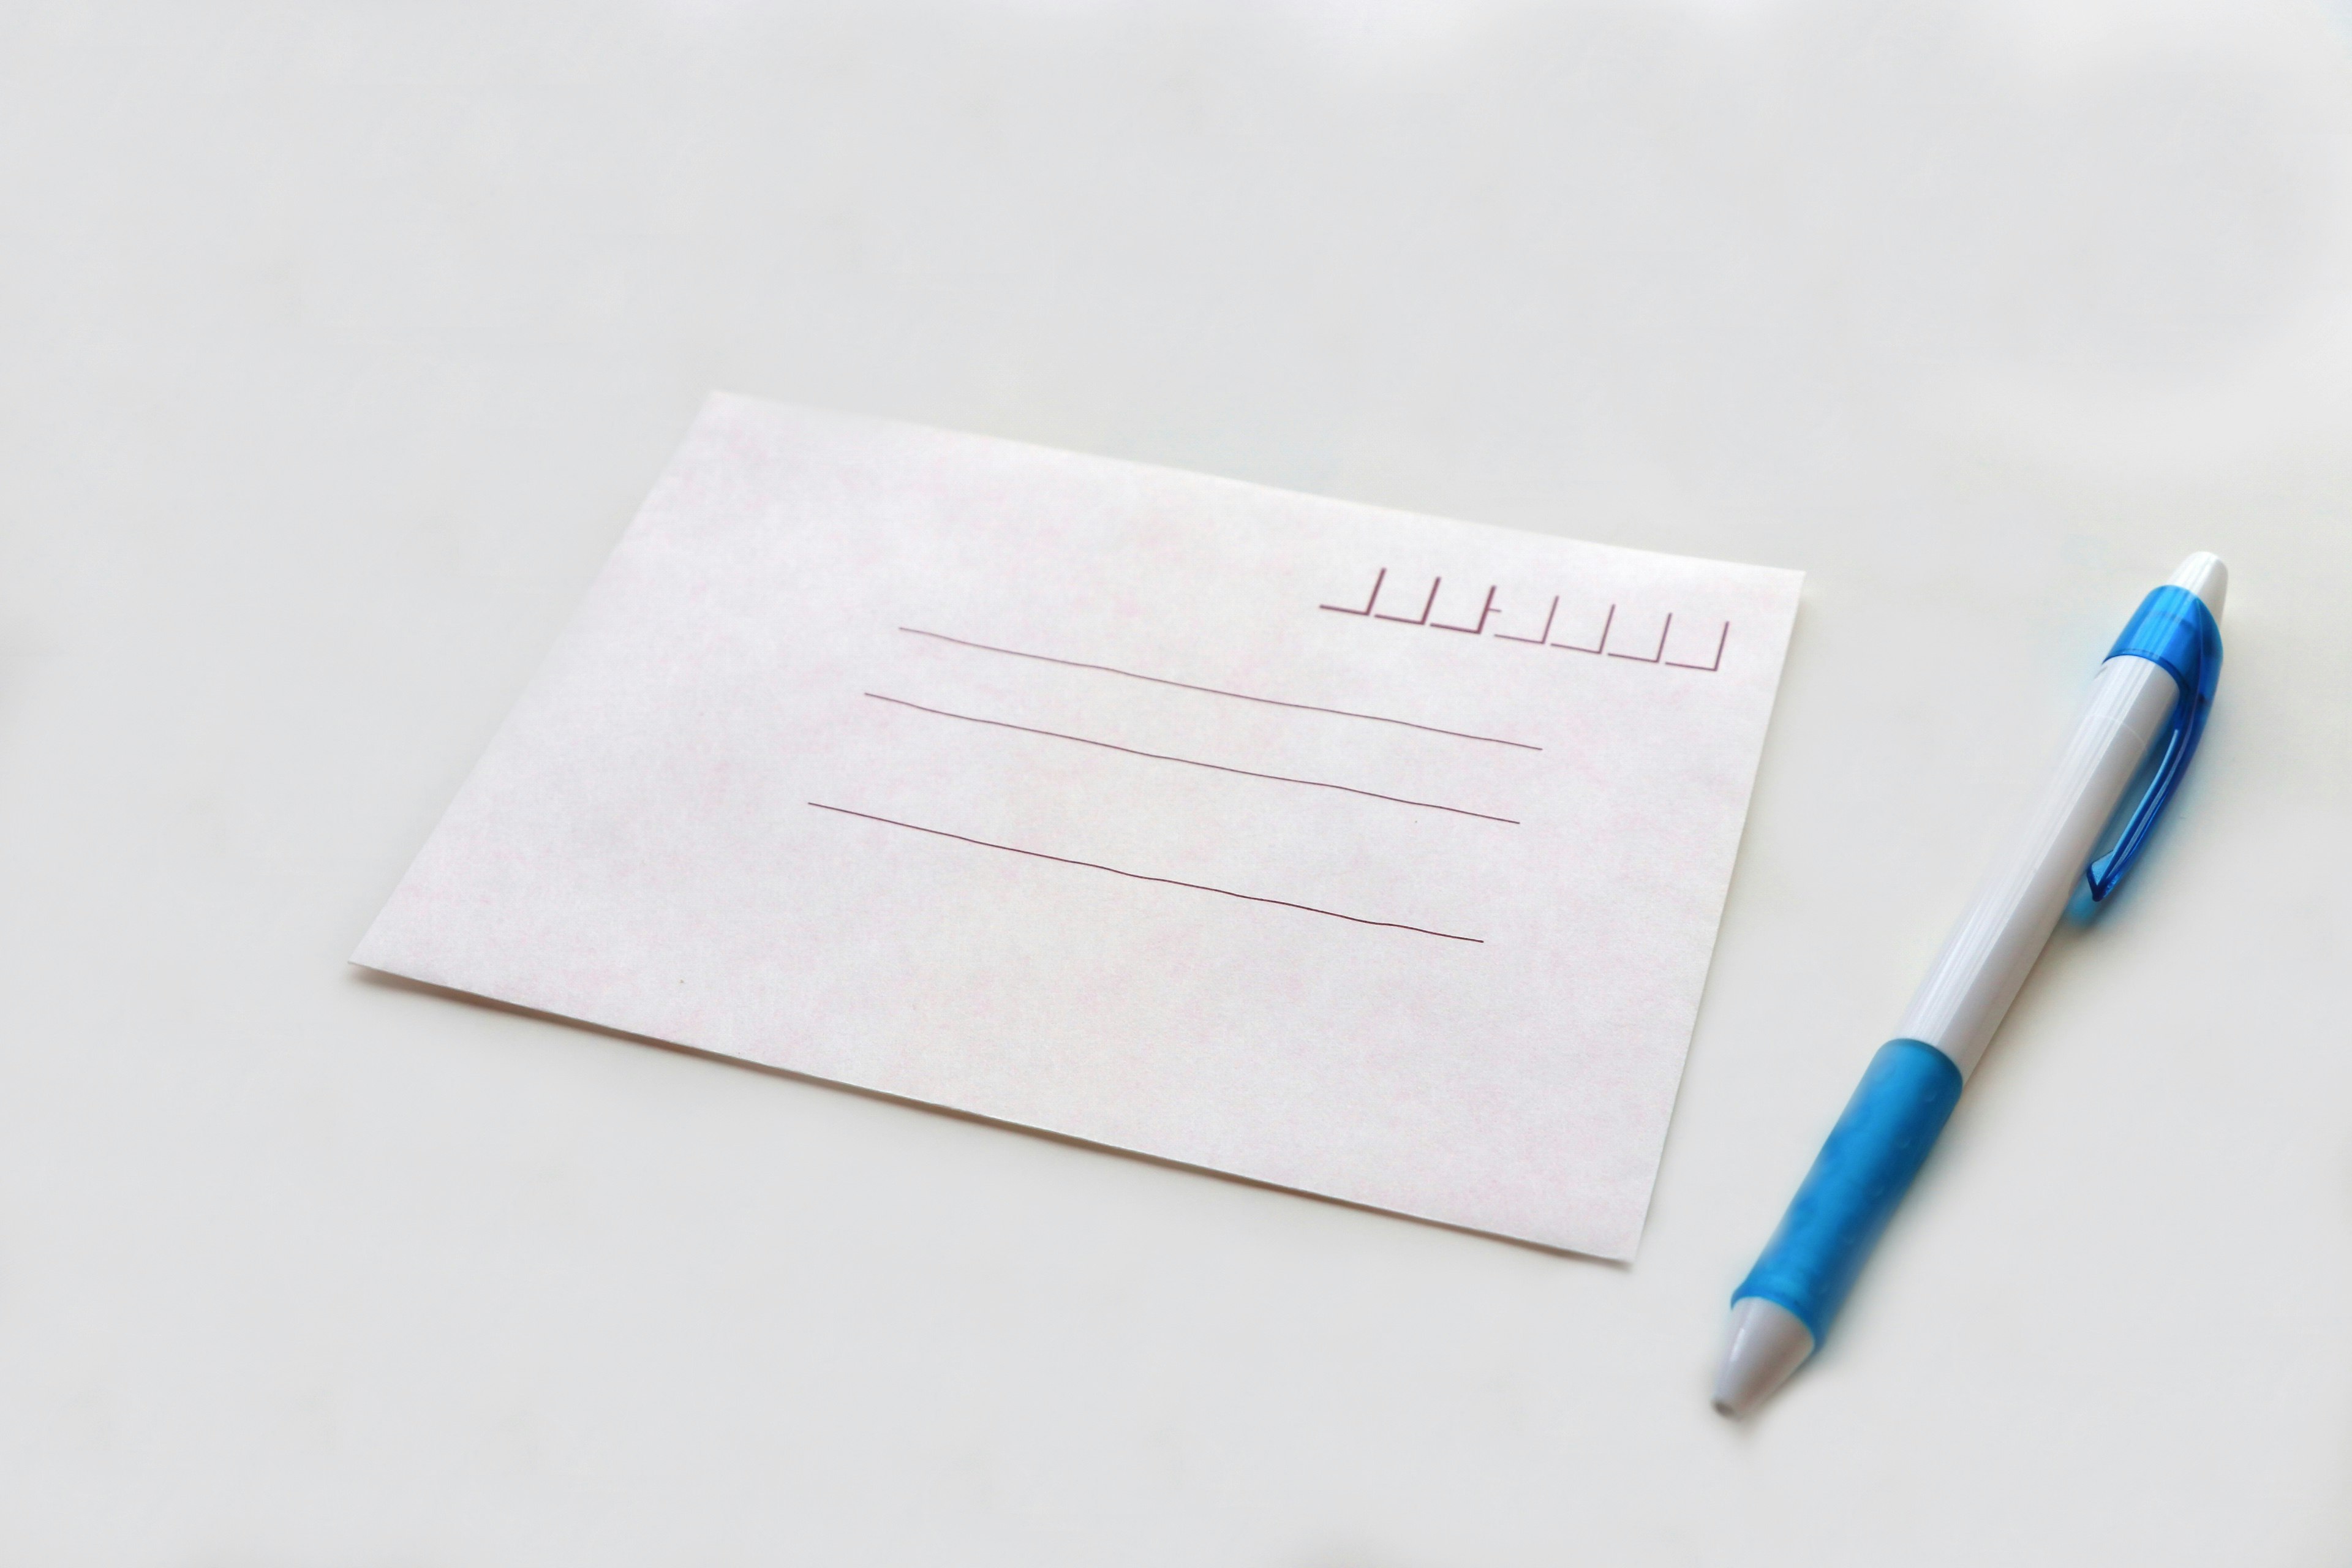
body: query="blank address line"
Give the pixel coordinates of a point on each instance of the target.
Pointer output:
(1139, 877)
(1220, 691)
(1193, 762)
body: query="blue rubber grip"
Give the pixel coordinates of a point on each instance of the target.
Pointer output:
(1860, 1174)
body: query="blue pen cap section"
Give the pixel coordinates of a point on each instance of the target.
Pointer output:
(1860, 1174)
(2171, 628)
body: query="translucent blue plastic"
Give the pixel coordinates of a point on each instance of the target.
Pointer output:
(2172, 628)
(1866, 1166)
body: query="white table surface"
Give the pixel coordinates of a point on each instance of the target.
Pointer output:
(338, 343)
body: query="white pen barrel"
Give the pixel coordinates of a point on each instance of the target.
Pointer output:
(1992, 949)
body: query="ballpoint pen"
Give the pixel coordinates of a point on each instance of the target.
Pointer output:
(2153, 691)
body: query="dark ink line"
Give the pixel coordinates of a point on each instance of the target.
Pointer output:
(1655, 657)
(1191, 762)
(1139, 877)
(1425, 608)
(1367, 603)
(1710, 668)
(1483, 616)
(1216, 691)
(1603, 644)
(1541, 636)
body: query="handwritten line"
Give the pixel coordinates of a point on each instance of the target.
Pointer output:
(1655, 657)
(1428, 604)
(1191, 762)
(1218, 691)
(1720, 643)
(1139, 877)
(1542, 635)
(1367, 603)
(1601, 647)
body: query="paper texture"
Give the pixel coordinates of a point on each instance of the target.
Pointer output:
(1362, 853)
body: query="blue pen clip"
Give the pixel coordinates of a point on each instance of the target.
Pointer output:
(2171, 628)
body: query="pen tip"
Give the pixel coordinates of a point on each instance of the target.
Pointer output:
(1767, 1343)
(2204, 575)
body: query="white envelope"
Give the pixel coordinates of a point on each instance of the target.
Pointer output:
(1367, 854)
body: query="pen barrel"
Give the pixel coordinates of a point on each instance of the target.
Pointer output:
(1997, 939)
(1865, 1166)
